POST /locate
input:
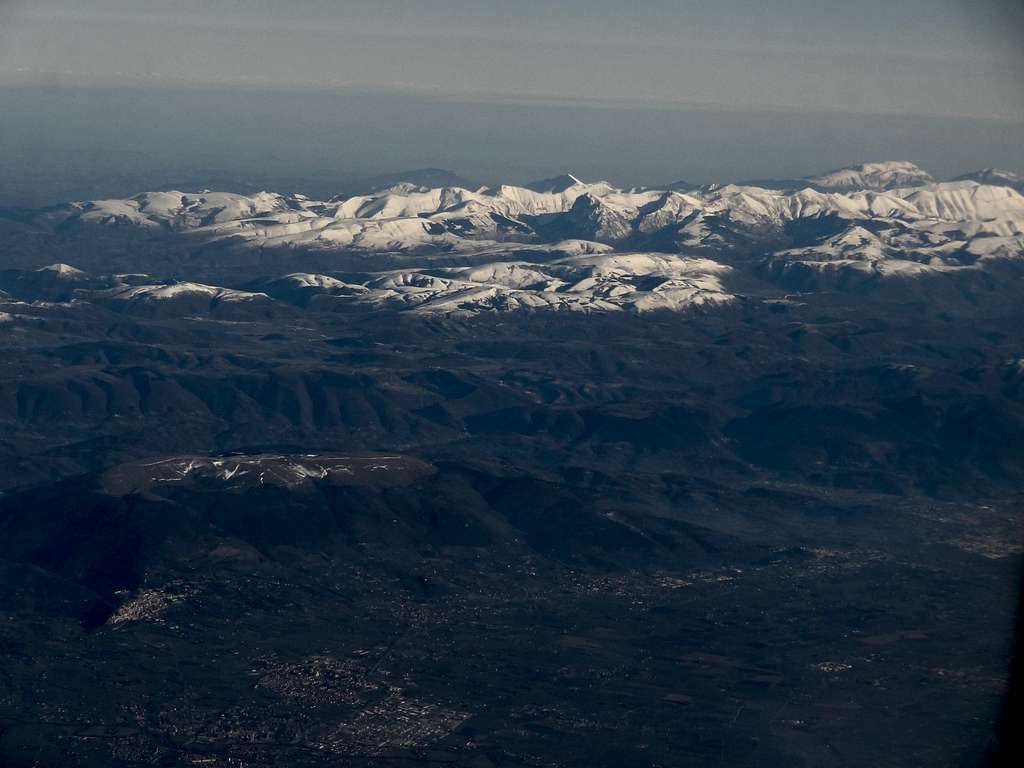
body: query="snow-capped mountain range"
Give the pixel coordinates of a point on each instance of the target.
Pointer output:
(571, 244)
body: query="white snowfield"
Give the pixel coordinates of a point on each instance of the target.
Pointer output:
(638, 282)
(180, 298)
(592, 280)
(181, 290)
(570, 244)
(876, 176)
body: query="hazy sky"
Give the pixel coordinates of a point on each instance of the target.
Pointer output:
(942, 57)
(112, 96)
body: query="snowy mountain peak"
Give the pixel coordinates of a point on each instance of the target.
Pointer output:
(874, 219)
(556, 184)
(892, 174)
(62, 270)
(995, 177)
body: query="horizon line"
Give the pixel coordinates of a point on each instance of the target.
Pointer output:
(45, 79)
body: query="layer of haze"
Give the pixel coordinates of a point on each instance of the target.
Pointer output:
(116, 95)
